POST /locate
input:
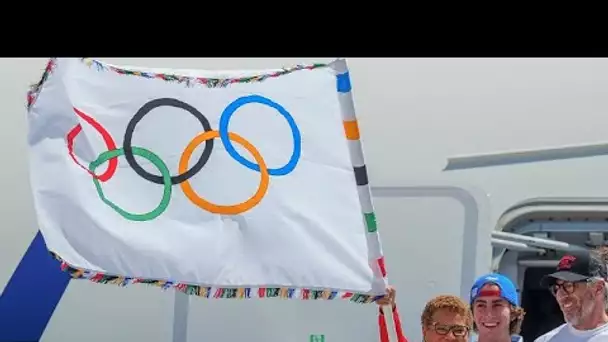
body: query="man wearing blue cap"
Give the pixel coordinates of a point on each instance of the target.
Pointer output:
(497, 316)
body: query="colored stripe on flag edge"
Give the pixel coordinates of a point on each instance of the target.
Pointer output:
(220, 292)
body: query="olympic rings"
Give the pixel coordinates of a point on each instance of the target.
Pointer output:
(107, 138)
(183, 176)
(224, 135)
(156, 161)
(126, 145)
(224, 209)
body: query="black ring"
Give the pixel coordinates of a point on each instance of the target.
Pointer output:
(145, 109)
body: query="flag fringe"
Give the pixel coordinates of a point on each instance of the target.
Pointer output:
(190, 81)
(219, 292)
(34, 91)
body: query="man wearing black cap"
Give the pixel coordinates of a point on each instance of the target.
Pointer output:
(580, 288)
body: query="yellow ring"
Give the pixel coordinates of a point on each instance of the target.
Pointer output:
(216, 208)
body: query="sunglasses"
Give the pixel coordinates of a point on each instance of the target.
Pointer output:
(456, 329)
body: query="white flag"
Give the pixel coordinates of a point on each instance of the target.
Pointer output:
(241, 184)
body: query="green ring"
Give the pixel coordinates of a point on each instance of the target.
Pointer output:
(151, 157)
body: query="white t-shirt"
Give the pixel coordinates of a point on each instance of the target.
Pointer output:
(566, 333)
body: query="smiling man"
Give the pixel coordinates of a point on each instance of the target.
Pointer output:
(497, 316)
(579, 286)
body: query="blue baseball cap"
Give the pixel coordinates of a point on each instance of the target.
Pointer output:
(508, 291)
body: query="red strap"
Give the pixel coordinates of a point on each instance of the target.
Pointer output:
(382, 326)
(384, 329)
(397, 321)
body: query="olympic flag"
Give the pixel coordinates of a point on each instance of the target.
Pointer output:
(225, 184)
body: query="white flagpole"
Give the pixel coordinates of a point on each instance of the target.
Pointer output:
(390, 323)
(351, 129)
(181, 309)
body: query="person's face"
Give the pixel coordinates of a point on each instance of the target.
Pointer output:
(491, 313)
(446, 326)
(576, 300)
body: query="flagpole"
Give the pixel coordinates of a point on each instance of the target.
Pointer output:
(351, 130)
(181, 309)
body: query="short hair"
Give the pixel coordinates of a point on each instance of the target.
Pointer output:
(516, 319)
(446, 302)
(601, 255)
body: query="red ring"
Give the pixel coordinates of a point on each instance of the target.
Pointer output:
(107, 138)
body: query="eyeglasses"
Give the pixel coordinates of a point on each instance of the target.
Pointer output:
(567, 286)
(456, 329)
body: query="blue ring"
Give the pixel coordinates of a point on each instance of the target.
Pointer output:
(297, 139)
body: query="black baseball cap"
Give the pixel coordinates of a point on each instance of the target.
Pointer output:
(576, 267)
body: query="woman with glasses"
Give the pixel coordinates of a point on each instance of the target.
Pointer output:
(446, 318)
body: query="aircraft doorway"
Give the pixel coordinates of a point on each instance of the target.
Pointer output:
(542, 311)
(531, 237)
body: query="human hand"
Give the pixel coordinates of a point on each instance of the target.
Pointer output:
(389, 298)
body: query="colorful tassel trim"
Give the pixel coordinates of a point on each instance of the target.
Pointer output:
(34, 90)
(191, 81)
(219, 292)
